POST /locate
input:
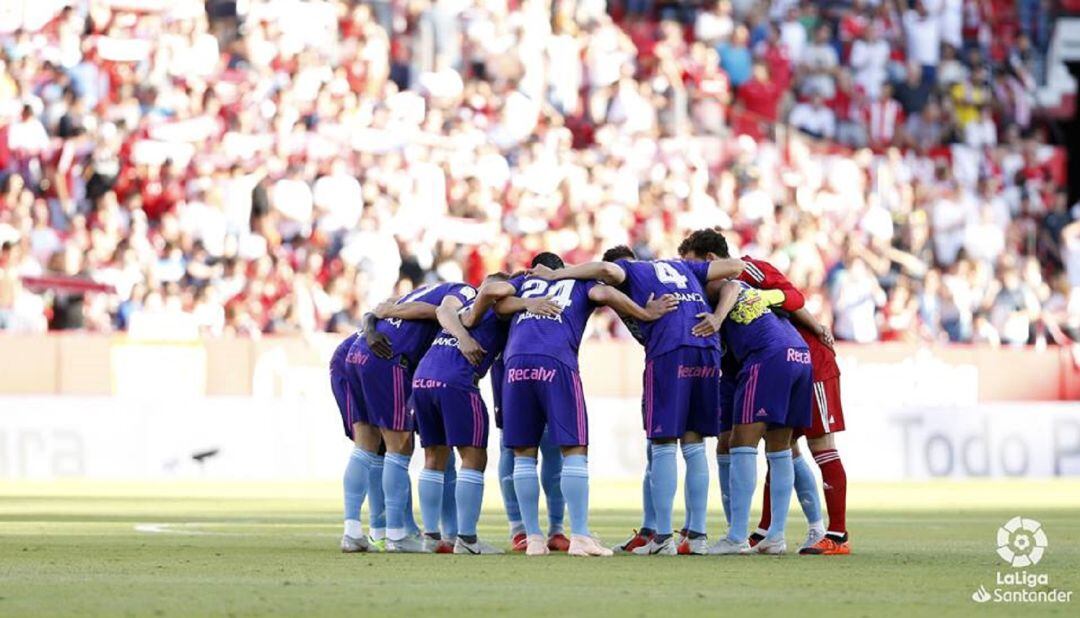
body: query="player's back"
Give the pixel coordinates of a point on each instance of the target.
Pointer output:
(411, 338)
(752, 330)
(445, 362)
(556, 336)
(683, 279)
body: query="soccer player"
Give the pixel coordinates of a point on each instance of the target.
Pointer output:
(447, 405)
(550, 479)
(404, 329)
(681, 381)
(355, 480)
(772, 398)
(828, 413)
(542, 388)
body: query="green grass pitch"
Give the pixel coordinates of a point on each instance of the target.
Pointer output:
(203, 549)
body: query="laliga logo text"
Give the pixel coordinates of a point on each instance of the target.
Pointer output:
(1021, 542)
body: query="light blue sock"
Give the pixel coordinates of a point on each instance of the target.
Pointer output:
(648, 515)
(551, 466)
(376, 496)
(664, 481)
(696, 486)
(781, 484)
(723, 464)
(741, 485)
(806, 489)
(431, 499)
(355, 483)
(449, 500)
(395, 481)
(527, 490)
(509, 496)
(410, 518)
(575, 486)
(470, 497)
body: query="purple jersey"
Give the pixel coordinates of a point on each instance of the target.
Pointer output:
(558, 337)
(686, 281)
(445, 363)
(412, 338)
(751, 330)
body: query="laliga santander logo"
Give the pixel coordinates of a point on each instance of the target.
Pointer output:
(1021, 542)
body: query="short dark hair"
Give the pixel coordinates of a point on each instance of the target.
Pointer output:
(701, 242)
(498, 276)
(547, 258)
(619, 252)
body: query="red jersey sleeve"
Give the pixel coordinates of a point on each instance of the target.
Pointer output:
(765, 276)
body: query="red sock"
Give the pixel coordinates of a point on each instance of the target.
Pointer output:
(834, 480)
(766, 506)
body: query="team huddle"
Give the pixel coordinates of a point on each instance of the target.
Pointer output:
(730, 352)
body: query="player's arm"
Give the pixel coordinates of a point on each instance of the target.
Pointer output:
(486, 297)
(623, 305)
(606, 272)
(412, 310)
(539, 306)
(449, 315)
(725, 268)
(378, 342)
(711, 323)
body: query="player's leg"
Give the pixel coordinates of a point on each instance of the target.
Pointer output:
(762, 529)
(781, 486)
(551, 463)
(828, 414)
(510, 501)
(355, 479)
(448, 520)
(523, 425)
(647, 532)
(397, 489)
(703, 419)
(665, 400)
(430, 489)
(373, 446)
(806, 491)
(469, 433)
(746, 433)
(723, 472)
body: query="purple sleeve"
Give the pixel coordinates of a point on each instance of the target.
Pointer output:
(516, 282)
(587, 287)
(465, 293)
(699, 270)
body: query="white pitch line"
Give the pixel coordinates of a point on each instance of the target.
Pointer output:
(168, 529)
(189, 529)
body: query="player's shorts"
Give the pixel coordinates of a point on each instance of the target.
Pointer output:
(728, 385)
(828, 412)
(386, 385)
(345, 387)
(775, 390)
(537, 391)
(682, 393)
(448, 415)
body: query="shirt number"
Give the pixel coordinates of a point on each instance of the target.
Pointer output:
(666, 273)
(557, 292)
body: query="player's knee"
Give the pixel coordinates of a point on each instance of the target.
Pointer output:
(435, 457)
(530, 451)
(723, 443)
(692, 437)
(822, 443)
(473, 458)
(664, 440)
(574, 450)
(747, 435)
(778, 440)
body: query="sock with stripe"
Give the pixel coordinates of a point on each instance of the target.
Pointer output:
(834, 483)
(806, 490)
(575, 486)
(410, 518)
(448, 520)
(470, 497)
(741, 484)
(723, 466)
(781, 487)
(664, 480)
(354, 483)
(527, 489)
(396, 488)
(551, 466)
(431, 499)
(506, 485)
(376, 497)
(648, 518)
(696, 486)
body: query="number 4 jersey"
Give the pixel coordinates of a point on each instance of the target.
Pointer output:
(560, 336)
(686, 281)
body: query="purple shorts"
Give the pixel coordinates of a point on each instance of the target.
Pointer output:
(448, 415)
(539, 390)
(776, 390)
(386, 385)
(682, 393)
(345, 385)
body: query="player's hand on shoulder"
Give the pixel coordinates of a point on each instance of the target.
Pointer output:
(658, 307)
(542, 272)
(825, 336)
(383, 309)
(543, 306)
(708, 325)
(471, 350)
(379, 344)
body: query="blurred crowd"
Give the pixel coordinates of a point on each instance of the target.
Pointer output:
(280, 166)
